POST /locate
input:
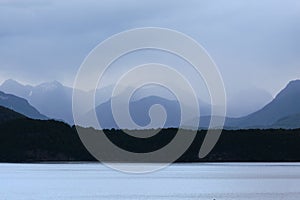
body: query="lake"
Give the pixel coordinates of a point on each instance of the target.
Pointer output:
(80, 181)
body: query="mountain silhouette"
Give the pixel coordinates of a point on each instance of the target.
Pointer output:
(285, 104)
(52, 98)
(7, 115)
(55, 101)
(139, 111)
(11, 86)
(282, 112)
(20, 105)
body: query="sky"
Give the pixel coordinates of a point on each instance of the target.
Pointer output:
(255, 44)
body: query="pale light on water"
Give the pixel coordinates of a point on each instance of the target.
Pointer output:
(179, 181)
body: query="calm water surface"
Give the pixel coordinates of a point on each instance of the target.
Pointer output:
(180, 181)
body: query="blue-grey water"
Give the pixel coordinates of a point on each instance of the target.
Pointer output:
(179, 181)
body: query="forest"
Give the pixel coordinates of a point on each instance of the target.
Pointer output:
(28, 140)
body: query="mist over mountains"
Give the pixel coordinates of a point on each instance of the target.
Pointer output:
(54, 100)
(284, 108)
(140, 113)
(247, 101)
(20, 105)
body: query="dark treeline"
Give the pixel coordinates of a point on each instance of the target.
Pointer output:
(27, 140)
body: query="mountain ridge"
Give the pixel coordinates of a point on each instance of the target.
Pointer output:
(20, 105)
(284, 104)
(54, 100)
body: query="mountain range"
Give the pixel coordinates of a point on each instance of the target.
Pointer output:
(55, 101)
(283, 109)
(52, 99)
(139, 111)
(20, 105)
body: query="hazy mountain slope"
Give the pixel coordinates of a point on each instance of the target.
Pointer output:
(282, 112)
(247, 101)
(55, 100)
(286, 103)
(11, 86)
(20, 105)
(139, 111)
(52, 98)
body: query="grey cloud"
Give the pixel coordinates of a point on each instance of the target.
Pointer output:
(251, 41)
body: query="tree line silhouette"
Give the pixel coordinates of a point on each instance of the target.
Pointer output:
(28, 140)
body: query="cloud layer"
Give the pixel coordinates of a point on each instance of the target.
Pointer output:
(254, 43)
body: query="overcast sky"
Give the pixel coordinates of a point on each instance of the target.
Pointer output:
(254, 43)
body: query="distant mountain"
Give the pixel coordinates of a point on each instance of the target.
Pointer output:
(51, 98)
(285, 104)
(282, 112)
(55, 100)
(139, 111)
(19, 105)
(11, 86)
(247, 101)
(7, 115)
